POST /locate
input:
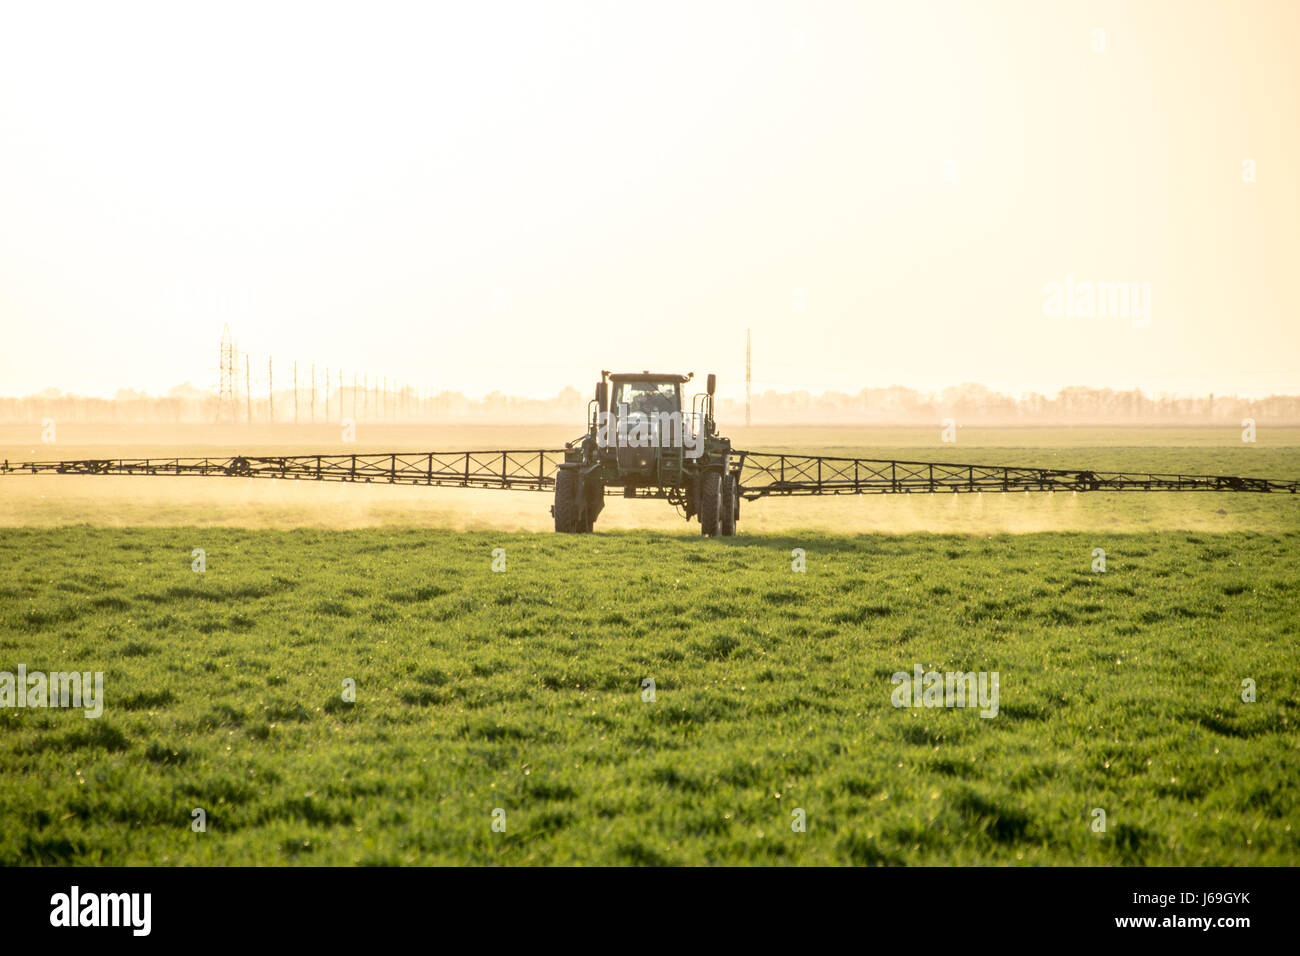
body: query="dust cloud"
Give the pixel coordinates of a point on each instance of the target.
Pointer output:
(54, 500)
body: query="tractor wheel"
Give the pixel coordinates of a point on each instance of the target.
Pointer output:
(595, 493)
(710, 502)
(566, 500)
(727, 516)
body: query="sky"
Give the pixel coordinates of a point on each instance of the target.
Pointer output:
(513, 196)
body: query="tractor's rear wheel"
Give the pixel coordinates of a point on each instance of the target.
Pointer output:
(566, 500)
(727, 516)
(710, 502)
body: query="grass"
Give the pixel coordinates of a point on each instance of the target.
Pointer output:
(523, 691)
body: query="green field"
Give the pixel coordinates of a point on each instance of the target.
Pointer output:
(522, 690)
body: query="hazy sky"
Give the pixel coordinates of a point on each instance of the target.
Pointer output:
(493, 196)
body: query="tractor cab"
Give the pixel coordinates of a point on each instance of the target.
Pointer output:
(647, 397)
(645, 425)
(646, 410)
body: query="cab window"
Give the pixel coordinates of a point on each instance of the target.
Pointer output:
(647, 397)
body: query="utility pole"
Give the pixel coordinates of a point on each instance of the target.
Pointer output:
(365, 393)
(327, 394)
(354, 396)
(222, 382)
(227, 388)
(313, 393)
(747, 377)
(340, 393)
(248, 386)
(270, 390)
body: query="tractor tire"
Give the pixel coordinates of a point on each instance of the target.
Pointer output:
(727, 516)
(595, 495)
(710, 502)
(566, 501)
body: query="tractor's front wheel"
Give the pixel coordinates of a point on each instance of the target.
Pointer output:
(565, 508)
(727, 516)
(595, 495)
(710, 502)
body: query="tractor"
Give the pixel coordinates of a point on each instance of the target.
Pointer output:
(641, 438)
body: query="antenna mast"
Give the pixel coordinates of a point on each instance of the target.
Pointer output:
(747, 377)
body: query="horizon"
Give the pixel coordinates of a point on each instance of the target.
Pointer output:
(52, 392)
